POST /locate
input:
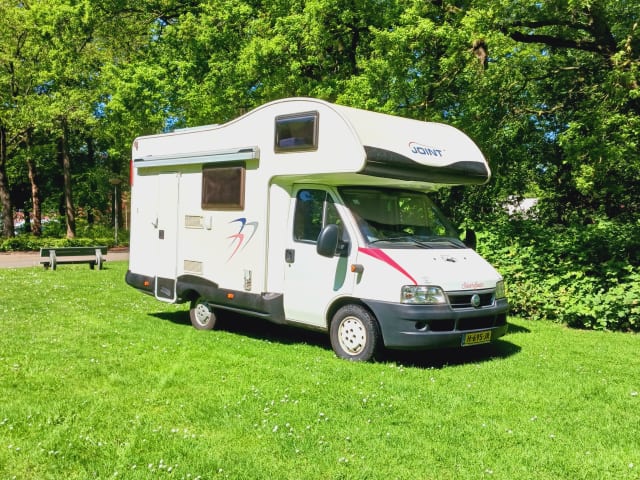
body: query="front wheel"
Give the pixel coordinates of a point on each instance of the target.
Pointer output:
(354, 333)
(202, 315)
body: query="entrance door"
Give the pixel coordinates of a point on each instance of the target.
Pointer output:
(166, 244)
(311, 280)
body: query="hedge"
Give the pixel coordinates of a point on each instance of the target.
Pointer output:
(583, 276)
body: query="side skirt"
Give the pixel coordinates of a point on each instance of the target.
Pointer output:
(267, 305)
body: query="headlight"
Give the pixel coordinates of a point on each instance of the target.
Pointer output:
(500, 291)
(422, 295)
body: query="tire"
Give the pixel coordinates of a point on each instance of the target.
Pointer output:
(202, 315)
(354, 333)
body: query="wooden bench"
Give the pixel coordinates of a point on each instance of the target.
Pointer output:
(94, 256)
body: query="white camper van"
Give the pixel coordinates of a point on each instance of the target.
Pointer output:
(307, 213)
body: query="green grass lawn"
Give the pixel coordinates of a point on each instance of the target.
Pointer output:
(100, 381)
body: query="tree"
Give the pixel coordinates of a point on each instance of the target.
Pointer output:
(12, 40)
(5, 197)
(33, 71)
(582, 62)
(213, 62)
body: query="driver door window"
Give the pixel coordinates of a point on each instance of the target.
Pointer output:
(314, 210)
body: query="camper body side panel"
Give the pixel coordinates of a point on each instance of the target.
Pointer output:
(154, 232)
(241, 252)
(223, 247)
(337, 140)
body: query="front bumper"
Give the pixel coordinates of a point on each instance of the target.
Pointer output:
(409, 327)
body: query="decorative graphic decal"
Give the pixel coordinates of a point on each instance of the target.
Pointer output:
(380, 255)
(239, 238)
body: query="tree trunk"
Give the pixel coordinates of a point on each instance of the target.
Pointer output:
(5, 194)
(63, 151)
(36, 221)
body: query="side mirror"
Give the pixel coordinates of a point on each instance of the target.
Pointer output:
(470, 238)
(328, 240)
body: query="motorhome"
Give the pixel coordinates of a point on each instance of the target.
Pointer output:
(307, 213)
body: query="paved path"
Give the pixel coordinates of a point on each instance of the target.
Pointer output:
(32, 259)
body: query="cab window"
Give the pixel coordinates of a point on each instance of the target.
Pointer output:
(314, 210)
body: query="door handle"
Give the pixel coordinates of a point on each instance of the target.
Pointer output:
(289, 255)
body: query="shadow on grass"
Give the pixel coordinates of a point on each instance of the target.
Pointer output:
(179, 318)
(518, 329)
(254, 328)
(262, 330)
(449, 357)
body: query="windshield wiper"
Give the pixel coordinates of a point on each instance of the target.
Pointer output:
(403, 239)
(450, 240)
(424, 242)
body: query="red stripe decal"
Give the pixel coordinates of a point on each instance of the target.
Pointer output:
(380, 255)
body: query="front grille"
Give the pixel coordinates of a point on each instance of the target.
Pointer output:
(469, 317)
(463, 299)
(476, 323)
(465, 324)
(442, 325)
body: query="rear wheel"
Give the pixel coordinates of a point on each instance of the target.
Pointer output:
(354, 333)
(202, 315)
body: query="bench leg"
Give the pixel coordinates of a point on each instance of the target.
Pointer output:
(98, 259)
(52, 259)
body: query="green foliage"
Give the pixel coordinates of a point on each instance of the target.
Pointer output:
(21, 243)
(54, 235)
(583, 276)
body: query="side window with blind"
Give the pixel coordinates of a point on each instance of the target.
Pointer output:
(223, 187)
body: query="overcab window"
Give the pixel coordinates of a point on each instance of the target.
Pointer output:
(296, 132)
(223, 187)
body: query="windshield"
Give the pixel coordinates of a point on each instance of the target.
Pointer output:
(404, 218)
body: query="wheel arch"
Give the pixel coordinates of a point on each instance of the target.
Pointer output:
(341, 302)
(190, 288)
(355, 332)
(189, 295)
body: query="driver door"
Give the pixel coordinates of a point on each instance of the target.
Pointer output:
(311, 280)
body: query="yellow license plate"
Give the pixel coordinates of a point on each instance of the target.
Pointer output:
(476, 338)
